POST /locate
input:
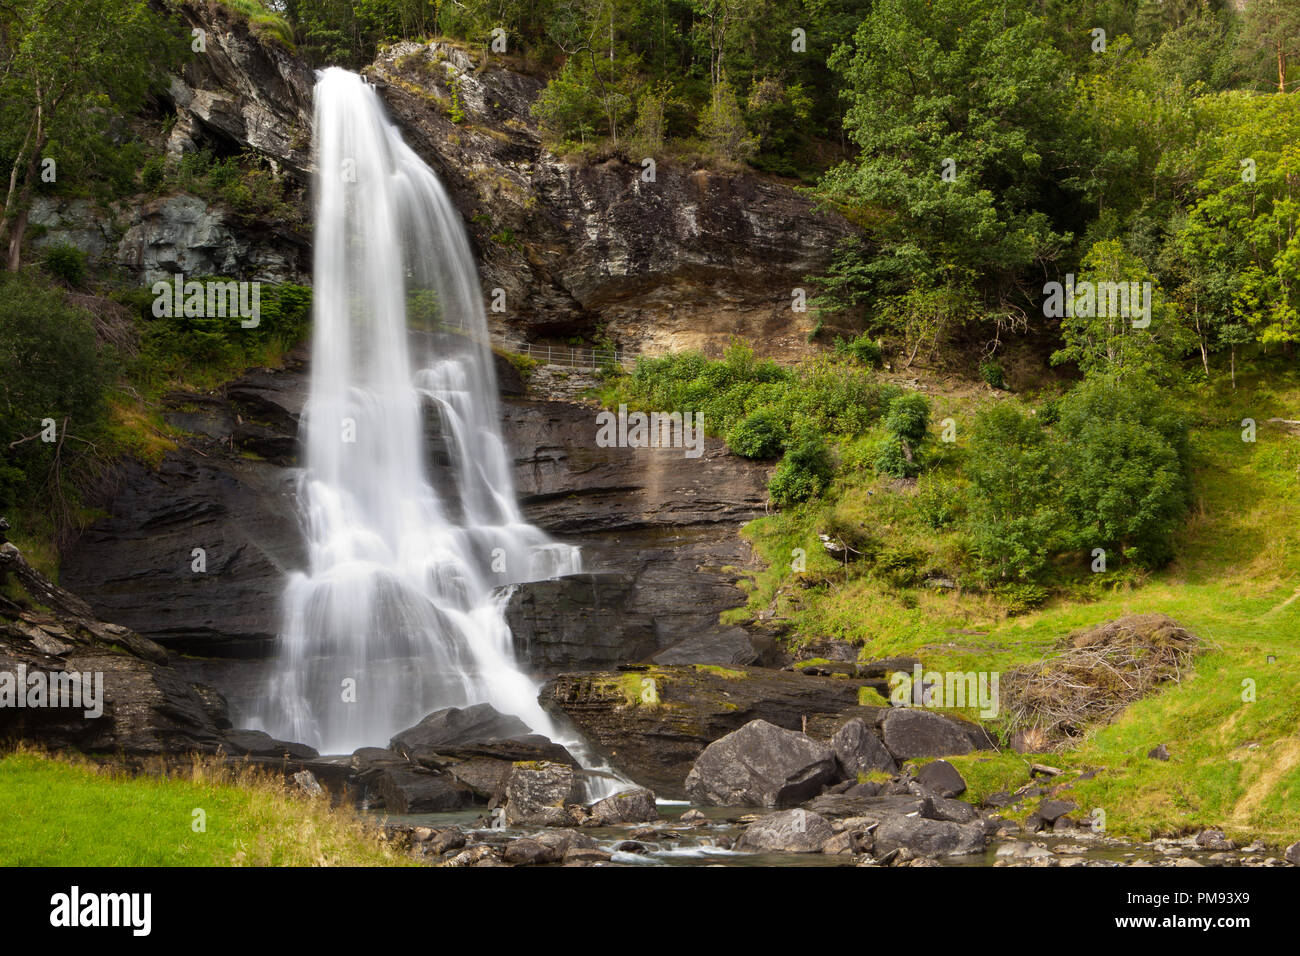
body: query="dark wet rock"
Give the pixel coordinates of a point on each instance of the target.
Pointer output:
(730, 647)
(849, 842)
(579, 621)
(486, 776)
(910, 733)
(585, 856)
(869, 808)
(148, 708)
(887, 667)
(1292, 854)
(454, 726)
(256, 743)
(417, 790)
(1215, 840)
(537, 794)
(858, 749)
(941, 777)
(525, 852)
(954, 811)
(631, 846)
(477, 731)
(652, 724)
(1159, 753)
(562, 841)
(790, 831)
(928, 838)
(630, 806)
(1049, 810)
(760, 765)
(444, 841)
(999, 800)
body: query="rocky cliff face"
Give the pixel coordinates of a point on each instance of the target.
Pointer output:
(684, 261)
(240, 94)
(658, 527)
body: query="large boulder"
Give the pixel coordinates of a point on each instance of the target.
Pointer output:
(417, 790)
(454, 726)
(476, 745)
(630, 806)
(859, 750)
(911, 732)
(538, 793)
(761, 765)
(791, 831)
(653, 723)
(941, 777)
(928, 838)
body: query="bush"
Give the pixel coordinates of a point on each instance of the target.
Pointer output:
(1014, 518)
(760, 434)
(50, 368)
(1021, 598)
(908, 418)
(804, 472)
(863, 349)
(1125, 474)
(67, 263)
(899, 567)
(153, 173)
(939, 502)
(895, 458)
(991, 372)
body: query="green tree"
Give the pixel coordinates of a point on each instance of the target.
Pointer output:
(1014, 516)
(959, 109)
(66, 66)
(1125, 482)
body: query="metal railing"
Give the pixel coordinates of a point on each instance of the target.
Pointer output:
(572, 357)
(577, 358)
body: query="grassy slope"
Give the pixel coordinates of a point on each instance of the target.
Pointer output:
(76, 815)
(1236, 585)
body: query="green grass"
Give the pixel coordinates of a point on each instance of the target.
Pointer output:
(1236, 585)
(76, 814)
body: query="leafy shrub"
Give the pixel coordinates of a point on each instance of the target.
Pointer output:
(851, 533)
(939, 502)
(760, 434)
(992, 374)
(1022, 597)
(804, 472)
(895, 458)
(908, 418)
(863, 349)
(899, 567)
(66, 262)
(1014, 519)
(153, 173)
(50, 368)
(1125, 475)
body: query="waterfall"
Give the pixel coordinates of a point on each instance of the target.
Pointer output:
(400, 610)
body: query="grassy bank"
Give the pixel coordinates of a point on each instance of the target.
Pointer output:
(74, 813)
(1235, 762)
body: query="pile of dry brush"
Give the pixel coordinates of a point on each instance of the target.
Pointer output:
(1093, 675)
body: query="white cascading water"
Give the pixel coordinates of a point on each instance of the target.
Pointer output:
(405, 589)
